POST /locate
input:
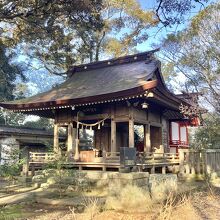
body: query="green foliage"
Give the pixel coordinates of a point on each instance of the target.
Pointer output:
(8, 74)
(11, 118)
(8, 89)
(15, 211)
(49, 30)
(173, 12)
(126, 25)
(41, 123)
(11, 163)
(208, 135)
(17, 119)
(194, 53)
(10, 170)
(58, 34)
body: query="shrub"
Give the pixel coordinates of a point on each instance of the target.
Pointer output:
(10, 170)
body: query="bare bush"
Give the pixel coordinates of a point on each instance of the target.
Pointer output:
(130, 198)
(92, 208)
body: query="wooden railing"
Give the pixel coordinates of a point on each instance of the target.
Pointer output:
(41, 157)
(45, 157)
(178, 142)
(143, 157)
(151, 157)
(106, 154)
(190, 162)
(111, 154)
(111, 157)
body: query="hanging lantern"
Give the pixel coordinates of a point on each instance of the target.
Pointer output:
(103, 123)
(98, 126)
(144, 105)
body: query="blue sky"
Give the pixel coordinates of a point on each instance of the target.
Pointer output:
(156, 36)
(38, 80)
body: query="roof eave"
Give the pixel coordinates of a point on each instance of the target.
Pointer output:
(129, 93)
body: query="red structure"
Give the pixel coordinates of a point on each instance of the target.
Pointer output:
(179, 135)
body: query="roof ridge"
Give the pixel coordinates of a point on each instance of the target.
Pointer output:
(111, 62)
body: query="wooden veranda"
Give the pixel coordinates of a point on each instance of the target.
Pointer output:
(185, 162)
(111, 161)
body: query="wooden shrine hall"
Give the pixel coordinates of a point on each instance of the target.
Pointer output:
(122, 102)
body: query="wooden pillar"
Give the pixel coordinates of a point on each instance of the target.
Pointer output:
(76, 154)
(69, 139)
(147, 143)
(56, 139)
(152, 171)
(32, 170)
(131, 132)
(164, 170)
(113, 135)
(74, 133)
(25, 168)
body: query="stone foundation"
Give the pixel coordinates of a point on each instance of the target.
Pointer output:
(107, 180)
(120, 180)
(159, 185)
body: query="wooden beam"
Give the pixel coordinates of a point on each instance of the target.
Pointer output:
(92, 117)
(122, 119)
(155, 124)
(141, 121)
(56, 139)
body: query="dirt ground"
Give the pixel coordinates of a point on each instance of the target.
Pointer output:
(196, 206)
(200, 203)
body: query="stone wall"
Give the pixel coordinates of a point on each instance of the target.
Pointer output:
(120, 180)
(8, 147)
(94, 179)
(159, 185)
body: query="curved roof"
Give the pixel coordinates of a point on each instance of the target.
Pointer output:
(104, 80)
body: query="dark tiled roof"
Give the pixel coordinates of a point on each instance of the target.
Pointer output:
(97, 79)
(105, 80)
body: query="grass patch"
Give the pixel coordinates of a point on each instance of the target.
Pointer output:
(13, 212)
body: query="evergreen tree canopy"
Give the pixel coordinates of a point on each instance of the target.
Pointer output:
(8, 74)
(61, 33)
